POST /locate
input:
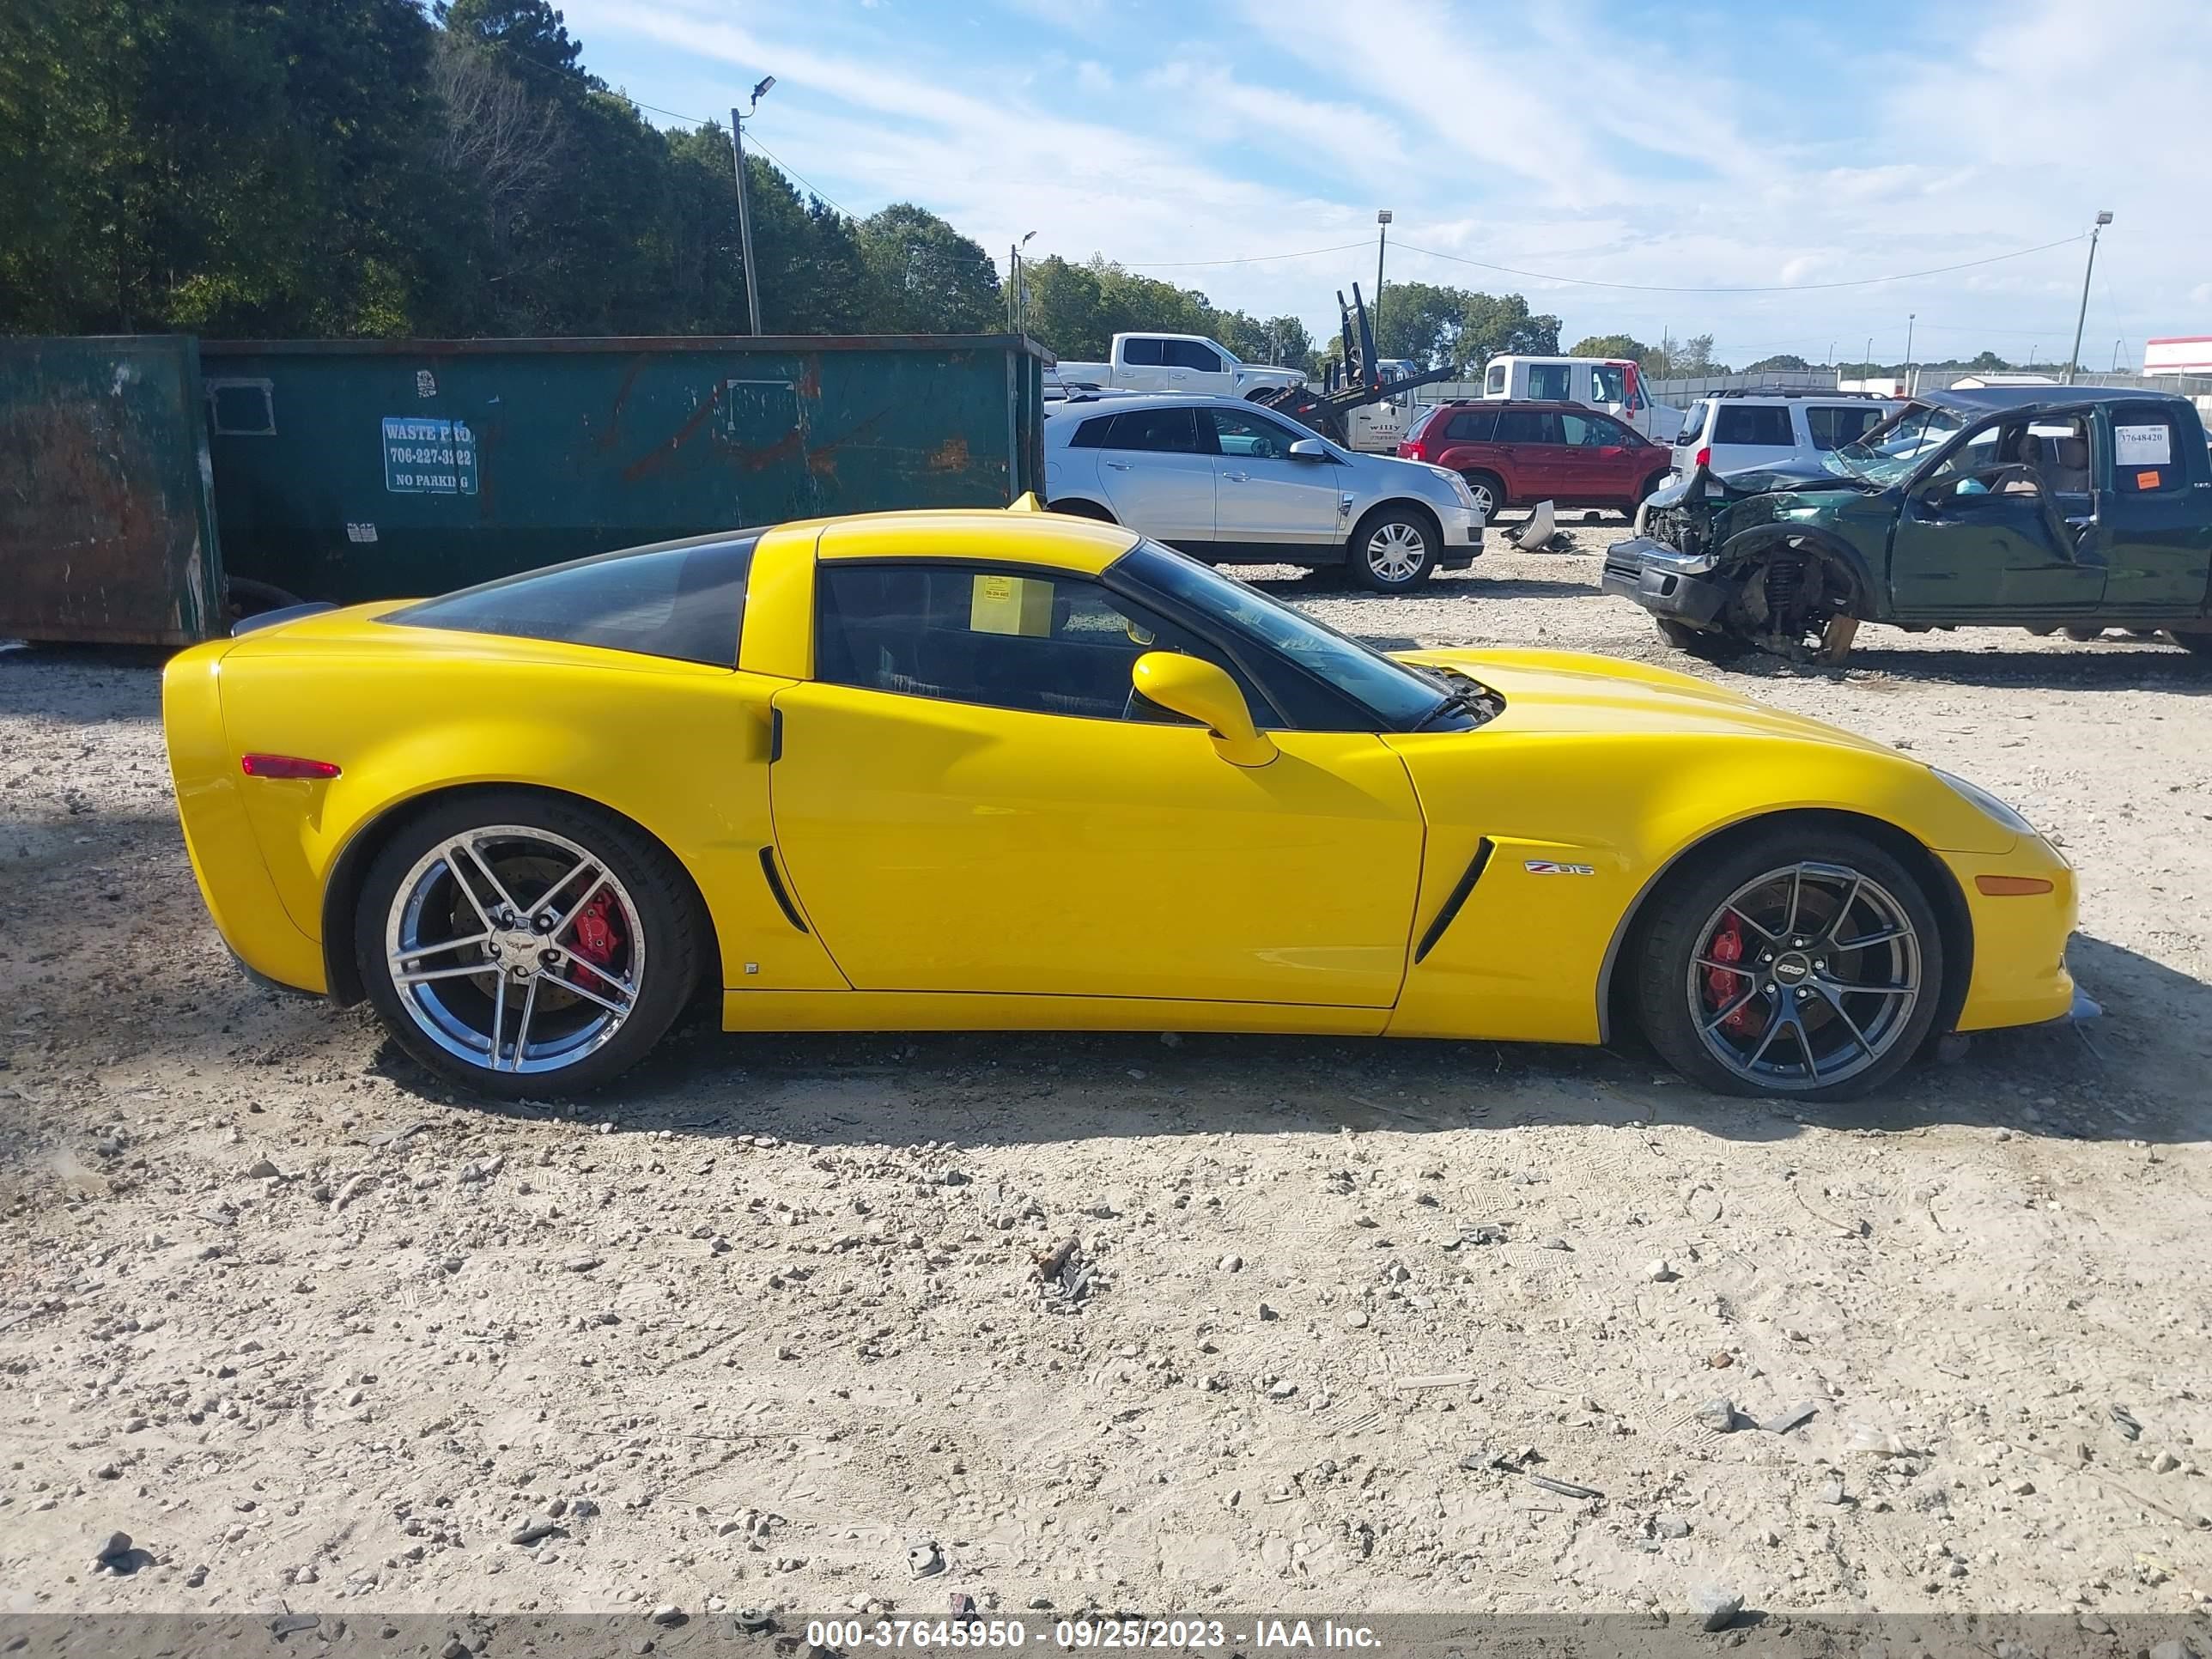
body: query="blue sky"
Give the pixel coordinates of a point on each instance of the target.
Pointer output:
(1701, 144)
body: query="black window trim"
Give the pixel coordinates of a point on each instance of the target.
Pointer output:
(1135, 592)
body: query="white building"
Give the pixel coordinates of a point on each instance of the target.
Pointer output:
(2183, 354)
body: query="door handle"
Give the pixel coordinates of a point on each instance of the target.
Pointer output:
(1237, 477)
(1120, 466)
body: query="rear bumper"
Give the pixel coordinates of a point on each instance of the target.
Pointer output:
(1665, 582)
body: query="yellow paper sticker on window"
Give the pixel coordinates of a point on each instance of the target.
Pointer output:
(2146, 481)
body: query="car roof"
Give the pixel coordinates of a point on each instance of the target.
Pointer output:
(1991, 399)
(1565, 405)
(993, 535)
(1120, 403)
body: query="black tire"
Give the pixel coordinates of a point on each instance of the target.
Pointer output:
(1382, 557)
(1489, 493)
(670, 939)
(1081, 510)
(1671, 1007)
(2197, 645)
(1703, 643)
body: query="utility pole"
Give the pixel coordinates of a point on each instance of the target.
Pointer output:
(1018, 302)
(2074, 360)
(1382, 241)
(744, 208)
(1911, 317)
(2116, 344)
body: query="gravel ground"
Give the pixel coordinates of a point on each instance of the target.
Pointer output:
(316, 1334)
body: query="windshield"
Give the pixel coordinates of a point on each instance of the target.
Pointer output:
(1227, 356)
(1398, 696)
(1894, 451)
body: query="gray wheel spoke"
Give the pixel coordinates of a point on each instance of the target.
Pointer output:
(1737, 911)
(545, 905)
(1836, 1002)
(454, 872)
(1867, 941)
(1782, 1018)
(1845, 988)
(577, 908)
(498, 1018)
(1736, 968)
(421, 951)
(522, 1029)
(590, 995)
(1796, 898)
(1842, 910)
(485, 868)
(1735, 1007)
(428, 974)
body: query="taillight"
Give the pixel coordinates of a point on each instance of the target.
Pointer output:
(1704, 458)
(1411, 450)
(285, 766)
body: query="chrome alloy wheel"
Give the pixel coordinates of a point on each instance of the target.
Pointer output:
(1807, 976)
(1395, 551)
(514, 949)
(1485, 502)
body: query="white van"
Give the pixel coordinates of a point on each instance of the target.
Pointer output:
(1611, 384)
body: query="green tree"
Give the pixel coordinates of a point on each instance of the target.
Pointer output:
(1987, 361)
(932, 279)
(1609, 345)
(1783, 360)
(1493, 326)
(530, 29)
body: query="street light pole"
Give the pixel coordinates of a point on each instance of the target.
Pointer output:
(2074, 360)
(1382, 241)
(1017, 307)
(1911, 317)
(744, 208)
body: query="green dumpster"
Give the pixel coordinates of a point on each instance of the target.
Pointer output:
(363, 468)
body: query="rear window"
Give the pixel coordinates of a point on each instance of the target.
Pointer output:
(1146, 354)
(1550, 383)
(1765, 424)
(1693, 422)
(2147, 457)
(1831, 425)
(1091, 435)
(685, 603)
(1173, 430)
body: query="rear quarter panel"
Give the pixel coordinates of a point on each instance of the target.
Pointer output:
(680, 749)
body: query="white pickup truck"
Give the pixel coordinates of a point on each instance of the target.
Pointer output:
(1177, 362)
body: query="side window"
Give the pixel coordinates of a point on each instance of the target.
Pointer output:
(1038, 643)
(1765, 424)
(1493, 380)
(1091, 435)
(1476, 426)
(2146, 458)
(1832, 426)
(686, 602)
(1524, 425)
(1174, 431)
(1254, 435)
(1140, 352)
(1550, 383)
(1609, 383)
(1592, 431)
(1189, 354)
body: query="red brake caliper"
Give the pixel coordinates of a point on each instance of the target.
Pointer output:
(595, 937)
(1722, 984)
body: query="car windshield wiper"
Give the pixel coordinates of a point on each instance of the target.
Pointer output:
(1473, 696)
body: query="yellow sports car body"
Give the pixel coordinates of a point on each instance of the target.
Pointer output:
(1007, 769)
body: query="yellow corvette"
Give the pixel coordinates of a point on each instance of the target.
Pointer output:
(1007, 769)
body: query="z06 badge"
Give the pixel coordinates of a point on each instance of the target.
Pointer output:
(1546, 867)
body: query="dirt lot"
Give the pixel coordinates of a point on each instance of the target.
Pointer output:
(315, 1334)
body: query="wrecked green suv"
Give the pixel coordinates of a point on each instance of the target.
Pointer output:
(2043, 507)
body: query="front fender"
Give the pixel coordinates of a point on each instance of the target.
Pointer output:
(1744, 546)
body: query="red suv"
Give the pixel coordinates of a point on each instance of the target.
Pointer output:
(1513, 453)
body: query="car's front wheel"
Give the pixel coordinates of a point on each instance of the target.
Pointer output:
(522, 944)
(1393, 550)
(1794, 964)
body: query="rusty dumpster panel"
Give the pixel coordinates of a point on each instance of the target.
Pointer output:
(106, 530)
(358, 470)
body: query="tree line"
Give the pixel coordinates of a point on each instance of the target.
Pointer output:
(273, 168)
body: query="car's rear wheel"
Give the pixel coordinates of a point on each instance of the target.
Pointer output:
(1489, 492)
(521, 945)
(1393, 550)
(1081, 509)
(1796, 963)
(2197, 645)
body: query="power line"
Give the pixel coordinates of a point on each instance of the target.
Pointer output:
(1249, 259)
(1777, 288)
(823, 194)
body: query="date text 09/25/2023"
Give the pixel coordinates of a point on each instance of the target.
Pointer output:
(1170, 1635)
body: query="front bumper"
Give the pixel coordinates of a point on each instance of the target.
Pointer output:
(1462, 528)
(2019, 976)
(1665, 582)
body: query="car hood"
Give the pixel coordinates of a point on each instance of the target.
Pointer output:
(1804, 476)
(1569, 691)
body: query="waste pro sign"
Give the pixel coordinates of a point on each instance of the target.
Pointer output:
(429, 458)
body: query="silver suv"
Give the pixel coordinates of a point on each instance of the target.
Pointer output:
(1731, 431)
(1234, 484)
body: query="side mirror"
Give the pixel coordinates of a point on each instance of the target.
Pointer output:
(1198, 689)
(1309, 449)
